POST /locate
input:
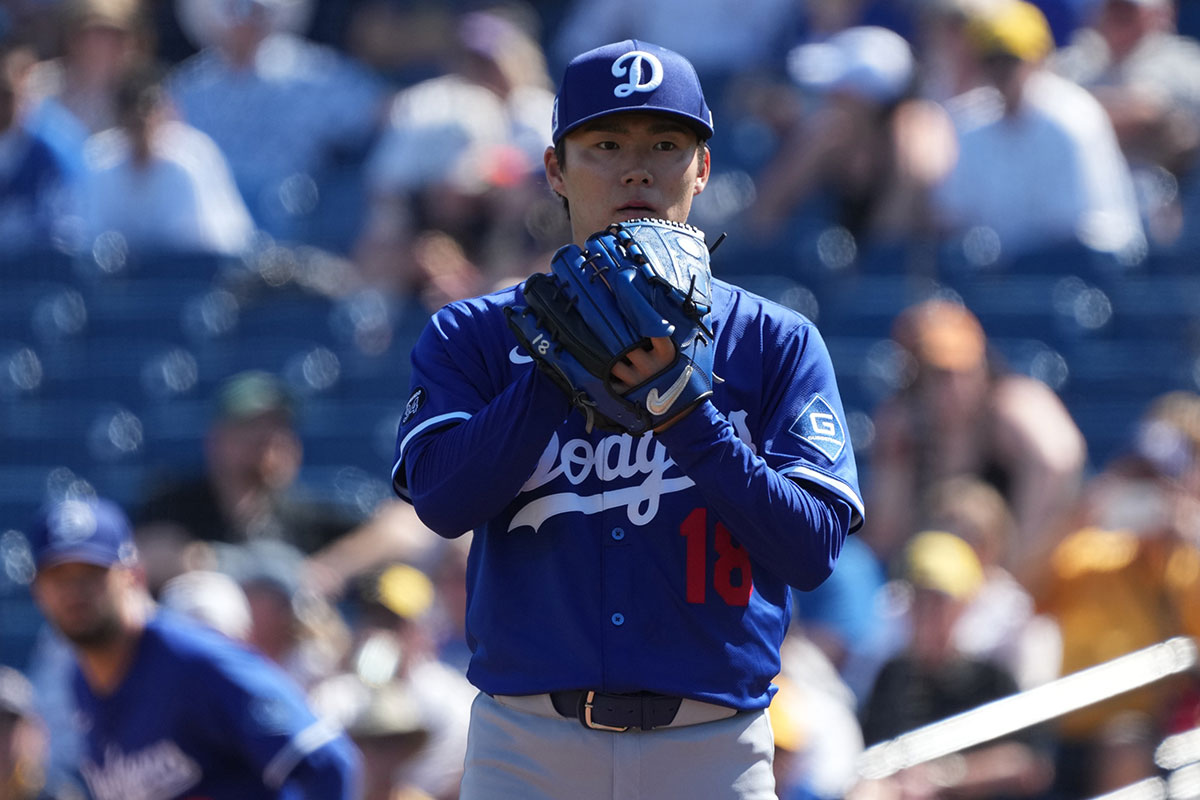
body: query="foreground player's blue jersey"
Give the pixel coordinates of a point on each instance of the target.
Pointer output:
(610, 569)
(197, 717)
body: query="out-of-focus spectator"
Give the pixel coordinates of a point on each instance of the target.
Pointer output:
(158, 182)
(1147, 77)
(394, 644)
(33, 21)
(932, 680)
(698, 30)
(1128, 577)
(283, 110)
(817, 734)
(392, 532)
(404, 42)
(22, 740)
(386, 723)
(1027, 127)
(824, 18)
(869, 148)
(999, 624)
(248, 491)
(947, 65)
(204, 23)
(456, 179)
(958, 412)
(290, 624)
(845, 617)
(32, 176)
(73, 95)
(210, 597)
(448, 617)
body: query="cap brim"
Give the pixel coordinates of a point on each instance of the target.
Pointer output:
(703, 130)
(77, 555)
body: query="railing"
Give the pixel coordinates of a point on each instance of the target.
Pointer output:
(1178, 755)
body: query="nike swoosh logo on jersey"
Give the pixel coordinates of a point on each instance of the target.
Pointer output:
(659, 404)
(517, 357)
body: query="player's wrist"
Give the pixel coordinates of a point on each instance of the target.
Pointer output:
(695, 424)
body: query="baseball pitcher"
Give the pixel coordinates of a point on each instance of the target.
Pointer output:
(649, 457)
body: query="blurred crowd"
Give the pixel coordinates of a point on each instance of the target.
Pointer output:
(404, 139)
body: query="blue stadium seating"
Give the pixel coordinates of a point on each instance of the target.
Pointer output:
(153, 338)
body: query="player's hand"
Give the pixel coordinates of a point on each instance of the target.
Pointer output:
(639, 366)
(638, 296)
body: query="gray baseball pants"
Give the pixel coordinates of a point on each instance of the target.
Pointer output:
(533, 753)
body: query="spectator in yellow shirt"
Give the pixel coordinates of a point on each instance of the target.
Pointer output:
(1126, 578)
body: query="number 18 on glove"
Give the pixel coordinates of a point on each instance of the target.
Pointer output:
(634, 281)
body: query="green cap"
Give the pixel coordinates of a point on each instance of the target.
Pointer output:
(250, 394)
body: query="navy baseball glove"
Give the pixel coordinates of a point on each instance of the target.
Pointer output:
(634, 281)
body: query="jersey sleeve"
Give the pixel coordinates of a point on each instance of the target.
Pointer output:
(478, 418)
(804, 432)
(258, 711)
(443, 390)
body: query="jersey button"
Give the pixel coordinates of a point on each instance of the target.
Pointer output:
(618, 534)
(618, 619)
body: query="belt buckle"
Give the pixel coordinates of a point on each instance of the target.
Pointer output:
(586, 716)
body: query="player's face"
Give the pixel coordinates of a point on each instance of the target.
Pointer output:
(82, 601)
(625, 166)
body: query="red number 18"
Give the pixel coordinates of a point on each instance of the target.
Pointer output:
(731, 558)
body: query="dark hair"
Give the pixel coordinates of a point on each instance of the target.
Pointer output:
(140, 91)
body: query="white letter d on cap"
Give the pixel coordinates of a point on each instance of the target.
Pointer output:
(637, 61)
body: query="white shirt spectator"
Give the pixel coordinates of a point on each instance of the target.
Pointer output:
(1164, 64)
(279, 120)
(1000, 626)
(184, 199)
(445, 697)
(1052, 172)
(445, 129)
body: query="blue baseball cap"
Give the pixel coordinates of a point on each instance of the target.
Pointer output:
(91, 531)
(629, 76)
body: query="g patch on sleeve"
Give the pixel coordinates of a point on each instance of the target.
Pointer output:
(819, 426)
(414, 404)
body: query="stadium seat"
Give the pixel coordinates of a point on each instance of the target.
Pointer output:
(282, 313)
(867, 304)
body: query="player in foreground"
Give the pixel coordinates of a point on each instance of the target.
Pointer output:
(648, 457)
(169, 709)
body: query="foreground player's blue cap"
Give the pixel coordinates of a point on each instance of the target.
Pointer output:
(91, 531)
(629, 76)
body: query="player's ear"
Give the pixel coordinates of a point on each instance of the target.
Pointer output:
(554, 172)
(703, 169)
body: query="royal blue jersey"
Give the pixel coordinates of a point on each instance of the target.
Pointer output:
(604, 561)
(201, 717)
